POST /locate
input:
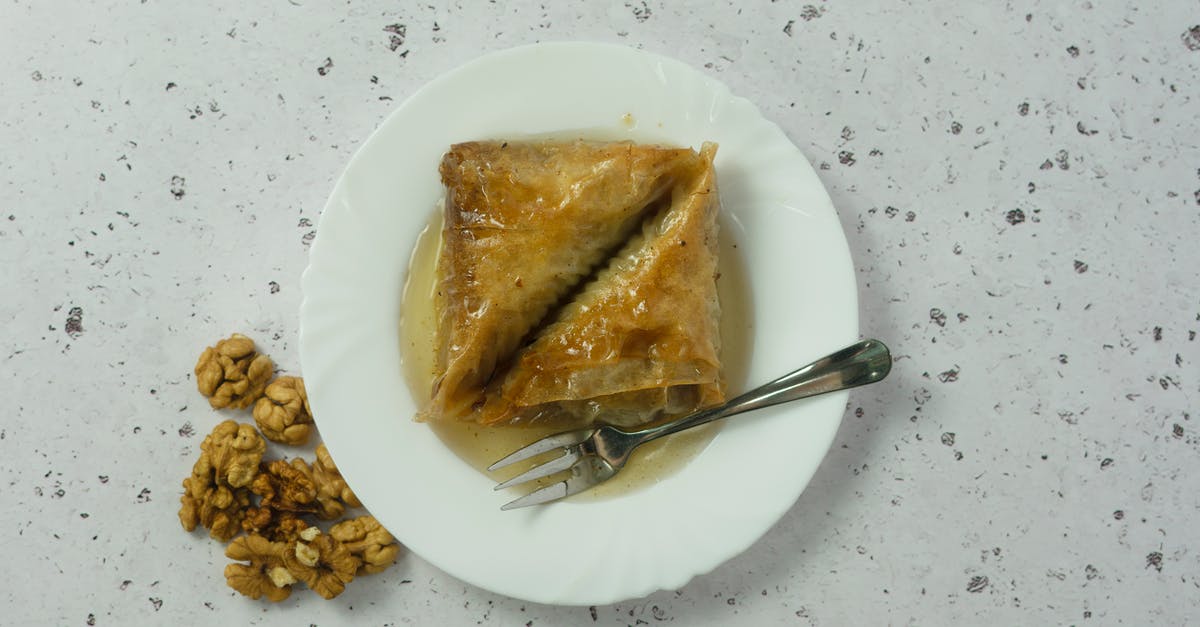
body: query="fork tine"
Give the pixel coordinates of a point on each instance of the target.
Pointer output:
(557, 464)
(553, 492)
(543, 445)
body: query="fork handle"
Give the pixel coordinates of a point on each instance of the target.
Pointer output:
(861, 363)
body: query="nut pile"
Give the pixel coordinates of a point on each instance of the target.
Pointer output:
(276, 503)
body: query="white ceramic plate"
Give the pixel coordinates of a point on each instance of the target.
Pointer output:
(580, 553)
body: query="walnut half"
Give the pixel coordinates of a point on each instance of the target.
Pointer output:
(321, 562)
(233, 451)
(265, 575)
(282, 414)
(232, 373)
(367, 540)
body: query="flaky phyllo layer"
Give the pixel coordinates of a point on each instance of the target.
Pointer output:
(577, 282)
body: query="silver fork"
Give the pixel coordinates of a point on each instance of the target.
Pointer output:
(593, 455)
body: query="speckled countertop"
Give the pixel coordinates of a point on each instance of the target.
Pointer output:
(1019, 184)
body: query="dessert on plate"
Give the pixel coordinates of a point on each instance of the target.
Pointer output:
(576, 283)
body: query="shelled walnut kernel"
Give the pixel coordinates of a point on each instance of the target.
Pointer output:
(283, 414)
(233, 373)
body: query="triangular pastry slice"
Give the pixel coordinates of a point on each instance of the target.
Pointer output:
(640, 340)
(525, 222)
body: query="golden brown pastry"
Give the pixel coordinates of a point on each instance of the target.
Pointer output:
(639, 340)
(524, 223)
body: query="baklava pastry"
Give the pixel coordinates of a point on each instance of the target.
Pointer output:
(525, 223)
(639, 340)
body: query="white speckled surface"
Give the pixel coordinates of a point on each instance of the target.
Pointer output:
(1020, 186)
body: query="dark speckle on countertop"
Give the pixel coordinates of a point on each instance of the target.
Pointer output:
(1191, 38)
(74, 324)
